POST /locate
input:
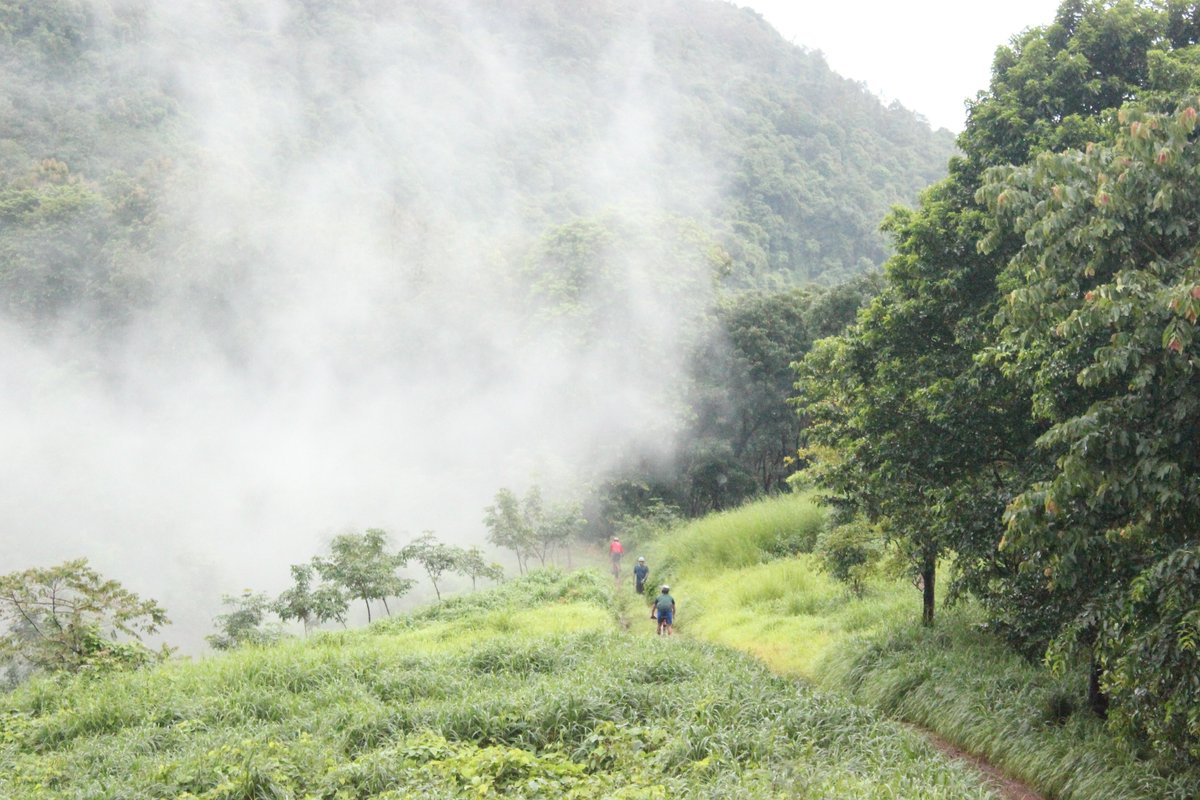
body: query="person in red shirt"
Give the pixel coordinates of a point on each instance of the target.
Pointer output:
(615, 550)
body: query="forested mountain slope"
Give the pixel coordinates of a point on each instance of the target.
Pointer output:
(117, 120)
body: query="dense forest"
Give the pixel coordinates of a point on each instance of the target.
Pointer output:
(1020, 400)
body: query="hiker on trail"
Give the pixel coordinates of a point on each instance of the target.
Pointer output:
(639, 575)
(615, 550)
(664, 611)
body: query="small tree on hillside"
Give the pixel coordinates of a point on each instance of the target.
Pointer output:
(308, 605)
(509, 528)
(245, 622)
(473, 565)
(436, 557)
(531, 528)
(361, 564)
(557, 527)
(69, 618)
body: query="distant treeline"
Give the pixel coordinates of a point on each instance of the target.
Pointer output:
(69, 618)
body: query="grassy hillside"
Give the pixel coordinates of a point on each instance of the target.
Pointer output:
(528, 691)
(552, 686)
(955, 679)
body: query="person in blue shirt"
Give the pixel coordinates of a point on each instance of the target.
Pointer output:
(639, 575)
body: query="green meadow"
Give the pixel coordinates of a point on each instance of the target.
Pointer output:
(780, 683)
(529, 691)
(737, 585)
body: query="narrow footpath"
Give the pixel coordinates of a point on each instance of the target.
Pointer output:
(628, 612)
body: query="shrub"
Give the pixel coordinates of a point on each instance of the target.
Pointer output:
(850, 552)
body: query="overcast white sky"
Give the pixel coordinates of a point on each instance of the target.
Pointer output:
(931, 55)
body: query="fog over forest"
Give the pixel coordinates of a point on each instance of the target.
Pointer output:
(345, 318)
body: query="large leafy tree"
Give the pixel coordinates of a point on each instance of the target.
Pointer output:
(1100, 325)
(69, 617)
(761, 335)
(933, 438)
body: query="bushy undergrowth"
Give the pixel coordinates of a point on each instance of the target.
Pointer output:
(464, 711)
(954, 679)
(965, 684)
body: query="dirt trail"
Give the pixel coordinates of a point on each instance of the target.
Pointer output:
(1009, 788)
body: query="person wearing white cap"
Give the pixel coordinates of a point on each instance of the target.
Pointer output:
(640, 571)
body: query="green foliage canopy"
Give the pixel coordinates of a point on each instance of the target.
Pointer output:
(327, 602)
(1100, 325)
(936, 441)
(69, 618)
(245, 622)
(1022, 394)
(434, 556)
(362, 565)
(783, 165)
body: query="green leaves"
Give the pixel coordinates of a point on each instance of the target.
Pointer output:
(1062, 253)
(327, 602)
(1104, 297)
(434, 556)
(245, 622)
(363, 565)
(530, 528)
(69, 617)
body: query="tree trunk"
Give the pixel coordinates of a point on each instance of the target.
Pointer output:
(385, 606)
(1097, 699)
(368, 605)
(928, 575)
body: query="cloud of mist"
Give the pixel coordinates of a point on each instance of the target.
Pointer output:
(341, 336)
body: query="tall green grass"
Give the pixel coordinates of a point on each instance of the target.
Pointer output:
(448, 704)
(785, 612)
(954, 679)
(960, 681)
(742, 537)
